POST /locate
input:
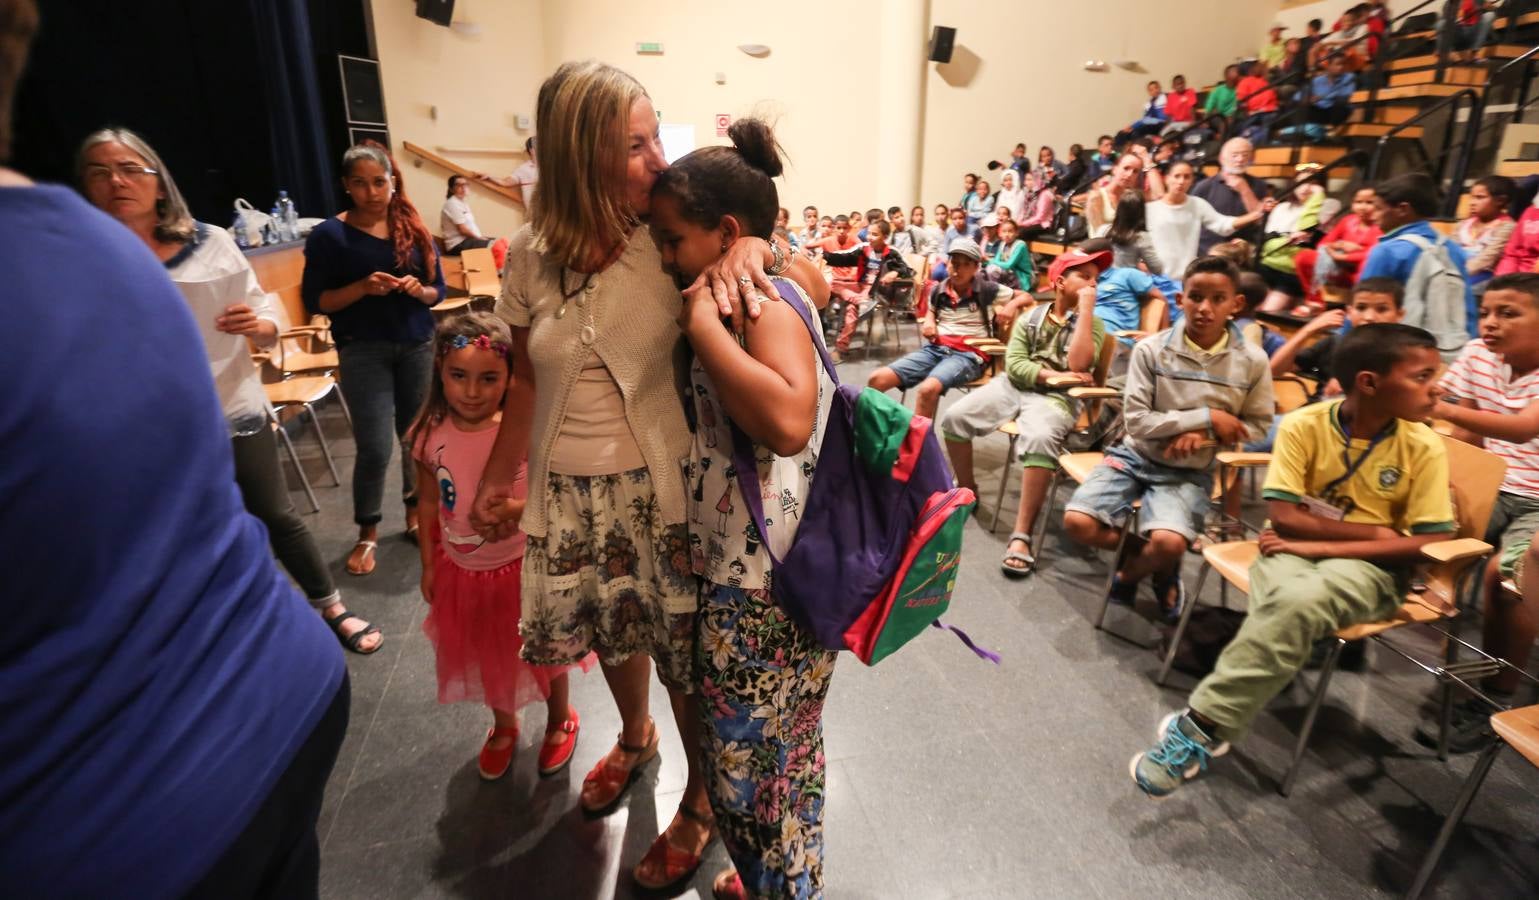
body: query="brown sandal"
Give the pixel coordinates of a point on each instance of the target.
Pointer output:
(678, 865)
(612, 780)
(364, 550)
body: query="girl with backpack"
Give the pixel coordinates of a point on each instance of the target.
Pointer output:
(762, 678)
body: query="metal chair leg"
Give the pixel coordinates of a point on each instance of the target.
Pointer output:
(294, 458)
(320, 435)
(1044, 515)
(1445, 704)
(1455, 816)
(1004, 479)
(1111, 576)
(1326, 671)
(1186, 615)
(346, 412)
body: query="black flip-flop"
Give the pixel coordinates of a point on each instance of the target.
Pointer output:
(352, 641)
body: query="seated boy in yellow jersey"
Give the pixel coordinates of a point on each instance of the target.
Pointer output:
(1356, 487)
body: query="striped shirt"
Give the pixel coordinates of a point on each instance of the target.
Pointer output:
(1480, 375)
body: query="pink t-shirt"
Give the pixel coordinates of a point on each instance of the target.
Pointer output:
(457, 458)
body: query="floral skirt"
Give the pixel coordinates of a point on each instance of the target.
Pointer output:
(473, 626)
(763, 681)
(610, 577)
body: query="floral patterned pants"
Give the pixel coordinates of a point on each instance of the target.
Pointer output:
(763, 681)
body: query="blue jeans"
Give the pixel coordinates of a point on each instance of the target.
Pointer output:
(948, 366)
(1173, 499)
(385, 384)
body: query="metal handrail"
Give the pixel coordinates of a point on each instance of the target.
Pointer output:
(1459, 152)
(1512, 62)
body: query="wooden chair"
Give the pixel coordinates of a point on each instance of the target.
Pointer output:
(1515, 728)
(481, 280)
(303, 392)
(1089, 412)
(1475, 478)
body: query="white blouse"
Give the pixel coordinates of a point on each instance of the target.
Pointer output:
(213, 274)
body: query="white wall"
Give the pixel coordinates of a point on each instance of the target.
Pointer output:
(477, 84)
(1297, 14)
(1030, 83)
(1017, 76)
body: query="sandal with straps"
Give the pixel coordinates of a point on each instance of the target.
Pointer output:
(554, 757)
(678, 866)
(351, 641)
(613, 780)
(1017, 556)
(494, 763)
(365, 559)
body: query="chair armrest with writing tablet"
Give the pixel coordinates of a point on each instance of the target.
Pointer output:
(1058, 381)
(1130, 335)
(1239, 460)
(1094, 393)
(1455, 550)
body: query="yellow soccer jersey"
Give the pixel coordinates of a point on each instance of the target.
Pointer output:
(1399, 479)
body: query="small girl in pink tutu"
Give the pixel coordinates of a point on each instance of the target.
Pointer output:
(472, 585)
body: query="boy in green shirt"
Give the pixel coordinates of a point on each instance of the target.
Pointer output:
(1221, 100)
(1057, 343)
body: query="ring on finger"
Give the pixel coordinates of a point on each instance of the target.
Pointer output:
(745, 281)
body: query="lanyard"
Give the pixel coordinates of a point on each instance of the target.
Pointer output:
(1346, 455)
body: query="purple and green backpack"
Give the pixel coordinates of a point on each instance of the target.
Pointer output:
(875, 557)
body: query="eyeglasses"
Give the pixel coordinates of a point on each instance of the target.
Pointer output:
(129, 171)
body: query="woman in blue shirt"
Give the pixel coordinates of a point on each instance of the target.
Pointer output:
(374, 270)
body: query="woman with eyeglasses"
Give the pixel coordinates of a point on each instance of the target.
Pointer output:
(124, 177)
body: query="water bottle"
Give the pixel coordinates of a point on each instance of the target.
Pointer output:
(242, 239)
(276, 224)
(289, 218)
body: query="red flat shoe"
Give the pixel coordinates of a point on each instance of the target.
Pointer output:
(494, 763)
(728, 886)
(554, 757)
(678, 866)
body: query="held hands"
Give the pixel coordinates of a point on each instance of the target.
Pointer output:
(238, 319)
(737, 280)
(1226, 428)
(496, 513)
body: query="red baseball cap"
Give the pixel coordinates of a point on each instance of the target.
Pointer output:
(1072, 258)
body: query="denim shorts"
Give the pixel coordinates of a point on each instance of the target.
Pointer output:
(1173, 499)
(948, 366)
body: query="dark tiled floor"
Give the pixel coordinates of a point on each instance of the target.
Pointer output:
(948, 777)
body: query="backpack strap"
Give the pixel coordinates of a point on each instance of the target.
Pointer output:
(743, 457)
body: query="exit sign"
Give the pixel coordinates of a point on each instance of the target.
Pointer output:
(654, 47)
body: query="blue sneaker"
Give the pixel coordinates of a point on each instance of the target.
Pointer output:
(1183, 752)
(1169, 594)
(1122, 593)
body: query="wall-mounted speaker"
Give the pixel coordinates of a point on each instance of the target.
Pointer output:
(438, 11)
(941, 41)
(362, 96)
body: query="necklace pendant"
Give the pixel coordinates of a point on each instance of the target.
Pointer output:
(561, 311)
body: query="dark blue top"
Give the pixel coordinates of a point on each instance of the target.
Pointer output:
(157, 671)
(336, 255)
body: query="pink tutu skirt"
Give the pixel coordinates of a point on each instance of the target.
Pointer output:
(473, 625)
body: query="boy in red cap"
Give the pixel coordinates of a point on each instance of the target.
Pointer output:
(1053, 348)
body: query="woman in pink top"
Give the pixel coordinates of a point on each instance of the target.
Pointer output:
(1484, 235)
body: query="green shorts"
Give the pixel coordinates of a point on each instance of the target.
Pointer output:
(1514, 520)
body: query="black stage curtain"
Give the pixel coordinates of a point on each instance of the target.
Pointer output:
(236, 97)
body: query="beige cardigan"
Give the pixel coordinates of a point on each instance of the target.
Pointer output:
(633, 306)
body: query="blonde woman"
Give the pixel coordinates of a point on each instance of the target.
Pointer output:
(594, 408)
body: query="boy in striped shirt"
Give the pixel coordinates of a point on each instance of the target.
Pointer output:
(1492, 394)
